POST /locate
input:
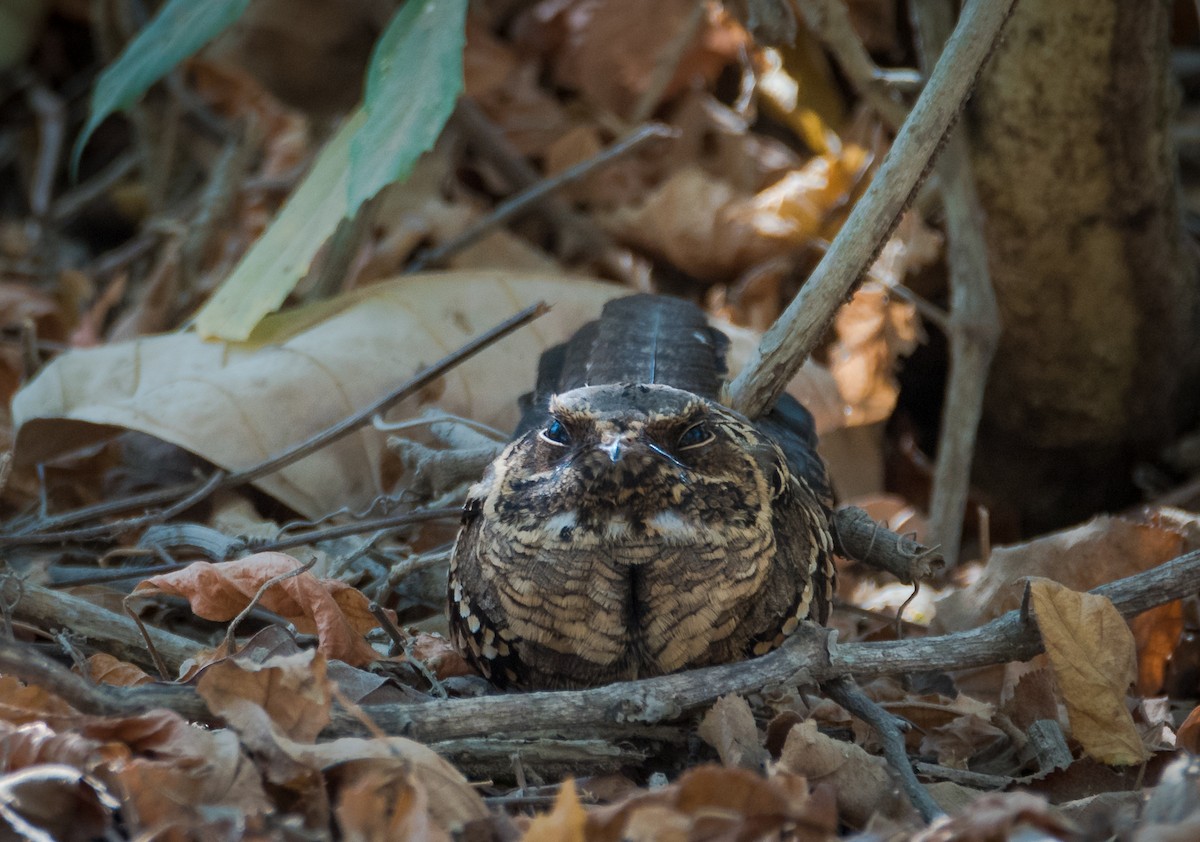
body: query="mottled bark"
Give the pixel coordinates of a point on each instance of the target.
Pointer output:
(1097, 289)
(1077, 175)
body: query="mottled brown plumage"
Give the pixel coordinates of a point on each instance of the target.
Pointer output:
(635, 526)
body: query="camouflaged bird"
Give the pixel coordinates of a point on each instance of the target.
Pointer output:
(635, 526)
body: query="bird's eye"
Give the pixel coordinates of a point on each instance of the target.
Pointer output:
(556, 433)
(696, 435)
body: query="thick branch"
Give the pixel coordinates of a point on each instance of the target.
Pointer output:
(810, 657)
(793, 336)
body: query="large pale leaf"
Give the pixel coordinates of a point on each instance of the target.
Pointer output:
(282, 255)
(415, 76)
(179, 29)
(1095, 660)
(235, 404)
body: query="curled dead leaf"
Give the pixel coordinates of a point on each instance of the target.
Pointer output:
(293, 690)
(338, 614)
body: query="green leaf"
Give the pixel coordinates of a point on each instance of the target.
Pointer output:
(177, 32)
(415, 76)
(283, 254)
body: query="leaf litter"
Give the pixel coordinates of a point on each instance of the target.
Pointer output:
(731, 209)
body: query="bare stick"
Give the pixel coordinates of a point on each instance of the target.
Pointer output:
(106, 630)
(231, 632)
(791, 339)
(491, 144)
(848, 694)
(535, 193)
(829, 20)
(974, 329)
(279, 460)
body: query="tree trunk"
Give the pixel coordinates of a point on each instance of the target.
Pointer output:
(1096, 283)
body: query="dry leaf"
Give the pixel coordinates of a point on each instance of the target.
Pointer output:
(1094, 659)
(1188, 735)
(236, 405)
(20, 704)
(452, 801)
(105, 669)
(861, 781)
(382, 805)
(713, 802)
(1102, 550)
(993, 818)
(564, 823)
(613, 47)
(729, 728)
(36, 743)
(55, 802)
(338, 614)
(292, 689)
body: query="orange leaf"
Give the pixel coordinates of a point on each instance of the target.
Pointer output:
(338, 614)
(564, 823)
(105, 669)
(1188, 735)
(1094, 658)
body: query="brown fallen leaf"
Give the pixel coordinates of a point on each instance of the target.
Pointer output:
(338, 614)
(860, 780)
(55, 802)
(564, 823)
(20, 704)
(453, 803)
(714, 802)
(36, 743)
(1094, 658)
(729, 728)
(995, 818)
(1188, 735)
(292, 689)
(381, 805)
(105, 669)
(237, 404)
(178, 772)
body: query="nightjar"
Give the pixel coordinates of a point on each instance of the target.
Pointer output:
(635, 526)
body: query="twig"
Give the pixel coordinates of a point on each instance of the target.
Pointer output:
(196, 494)
(974, 329)
(846, 693)
(858, 537)
(79, 197)
(791, 339)
(536, 193)
(666, 64)
(274, 463)
(231, 632)
(829, 20)
(491, 144)
(159, 664)
(52, 116)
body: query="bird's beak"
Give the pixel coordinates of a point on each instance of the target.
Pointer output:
(614, 445)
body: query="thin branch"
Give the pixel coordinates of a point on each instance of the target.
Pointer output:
(830, 21)
(491, 144)
(341, 428)
(974, 329)
(536, 193)
(791, 339)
